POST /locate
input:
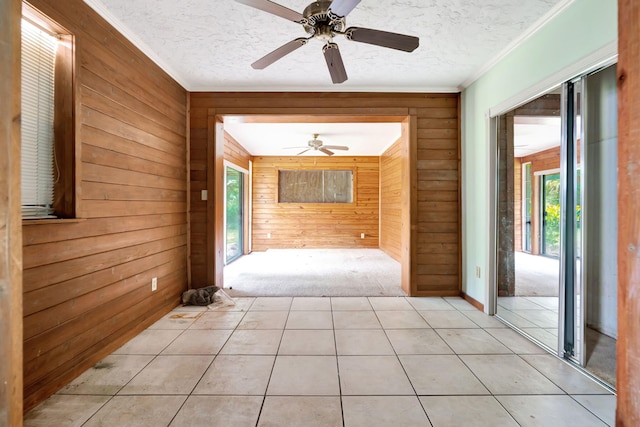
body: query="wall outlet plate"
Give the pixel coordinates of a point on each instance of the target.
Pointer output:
(154, 284)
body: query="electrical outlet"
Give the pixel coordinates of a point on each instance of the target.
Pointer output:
(154, 284)
(362, 235)
(477, 272)
(268, 235)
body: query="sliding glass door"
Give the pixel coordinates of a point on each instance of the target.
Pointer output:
(234, 214)
(565, 300)
(589, 267)
(551, 214)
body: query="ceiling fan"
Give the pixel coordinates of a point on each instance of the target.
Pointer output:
(317, 145)
(324, 19)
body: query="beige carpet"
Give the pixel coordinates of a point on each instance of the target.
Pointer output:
(314, 272)
(536, 275)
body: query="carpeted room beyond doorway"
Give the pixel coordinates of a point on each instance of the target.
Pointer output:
(314, 272)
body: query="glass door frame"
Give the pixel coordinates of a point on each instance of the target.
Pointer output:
(567, 337)
(245, 191)
(527, 207)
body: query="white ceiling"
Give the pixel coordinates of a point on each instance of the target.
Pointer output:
(208, 45)
(271, 139)
(535, 134)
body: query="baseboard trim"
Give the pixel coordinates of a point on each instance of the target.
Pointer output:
(477, 304)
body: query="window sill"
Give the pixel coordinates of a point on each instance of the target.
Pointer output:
(36, 221)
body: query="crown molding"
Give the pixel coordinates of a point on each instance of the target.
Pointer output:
(533, 29)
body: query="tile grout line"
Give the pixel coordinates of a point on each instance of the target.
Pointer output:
(275, 359)
(215, 356)
(335, 349)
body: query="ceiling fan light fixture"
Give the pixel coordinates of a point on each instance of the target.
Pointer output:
(316, 144)
(324, 19)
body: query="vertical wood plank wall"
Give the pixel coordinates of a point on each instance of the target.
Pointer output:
(87, 282)
(10, 220)
(628, 351)
(391, 201)
(296, 225)
(437, 255)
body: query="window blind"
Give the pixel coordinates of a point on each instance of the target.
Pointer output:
(38, 74)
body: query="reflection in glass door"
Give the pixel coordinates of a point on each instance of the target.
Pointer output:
(551, 214)
(590, 238)
(574, 220)
(233, 214)
(527, 206)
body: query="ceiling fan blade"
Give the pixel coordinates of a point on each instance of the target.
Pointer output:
(336, 147)
(325, 151)
(274, 8)
(334, 62)
(302, 152)
(283, 50)
(383, 38)
(342, 8)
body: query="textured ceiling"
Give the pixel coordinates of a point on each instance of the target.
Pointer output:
(208, 45)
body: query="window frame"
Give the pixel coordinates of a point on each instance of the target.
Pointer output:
(66, 151)
(354, 187)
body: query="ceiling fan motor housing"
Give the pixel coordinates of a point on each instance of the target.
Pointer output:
(320, 22)
(315, 143)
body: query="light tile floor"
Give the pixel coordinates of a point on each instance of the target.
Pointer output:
(538, 318)
(349, 361)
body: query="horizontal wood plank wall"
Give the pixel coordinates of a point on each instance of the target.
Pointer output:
(87, 282)
(391, 201)
(299, 225)
(235, 153)
(438, 226)
(438, 171)
(543, 160)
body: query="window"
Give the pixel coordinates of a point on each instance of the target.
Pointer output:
(38, 70)
(47, 142)
(315, 186)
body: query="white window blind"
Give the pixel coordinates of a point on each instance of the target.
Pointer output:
(38, 73)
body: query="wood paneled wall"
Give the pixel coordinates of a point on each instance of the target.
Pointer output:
(299, 225)
(628, 350)
(436, 220)
(87, 282)
(235, 153)
(543, 160)
(10, 236)
(391, 201)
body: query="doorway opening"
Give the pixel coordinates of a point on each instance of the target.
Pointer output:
(302, 240)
